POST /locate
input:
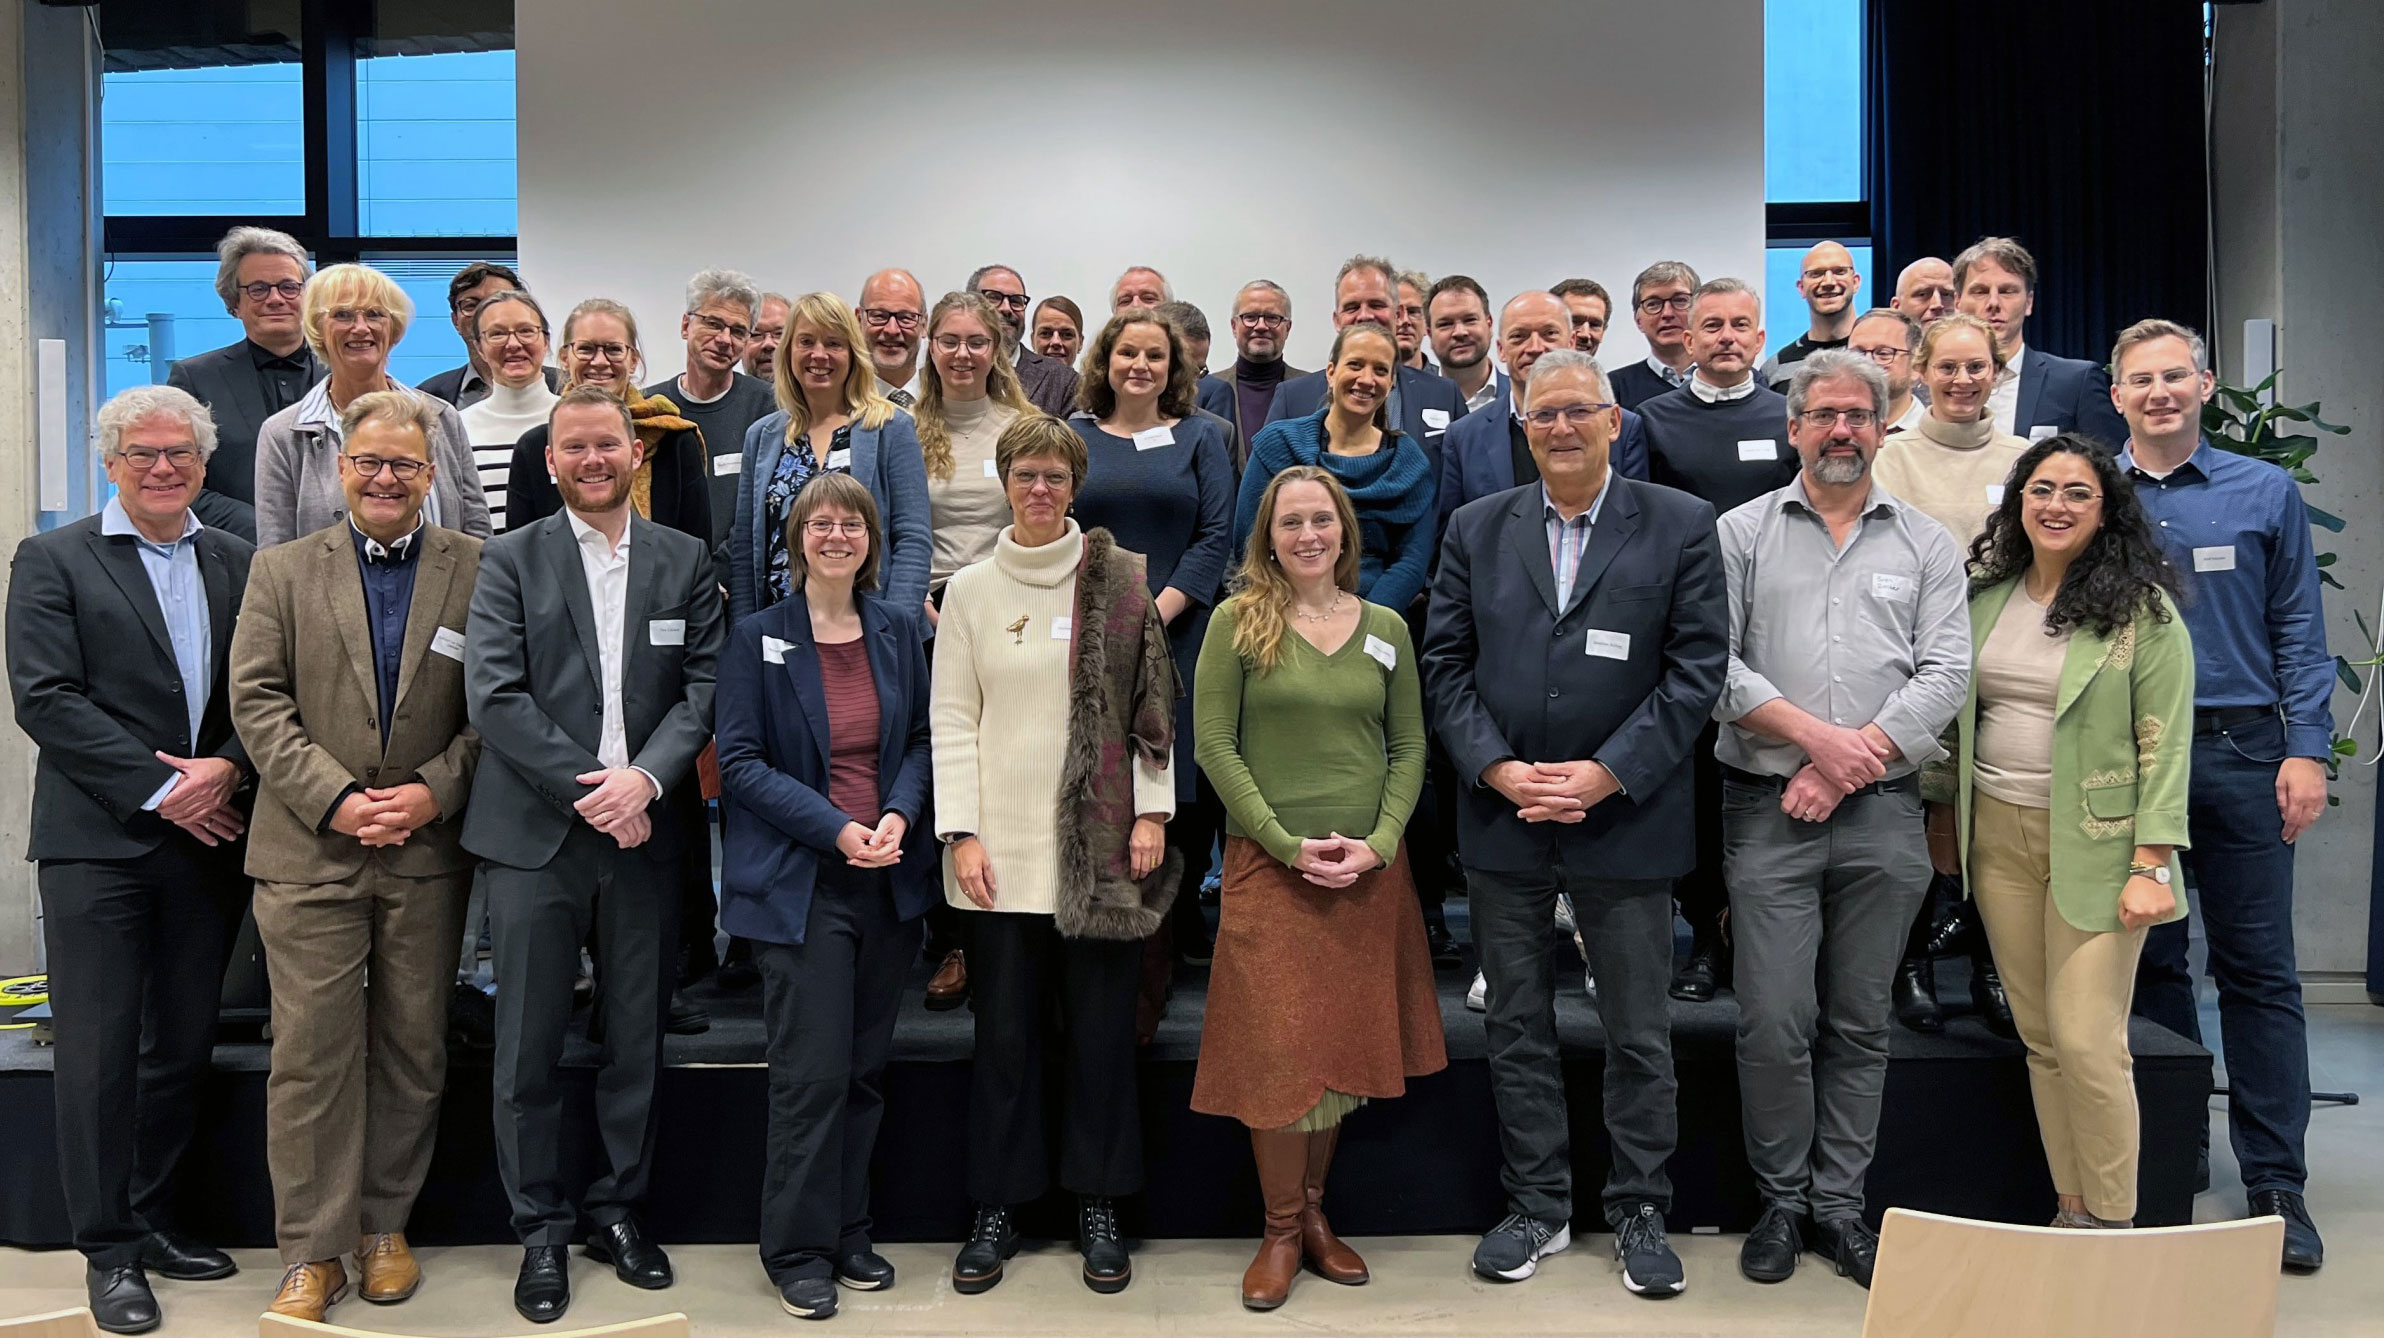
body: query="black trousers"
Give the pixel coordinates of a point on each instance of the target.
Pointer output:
(1019, 968)
(1702, 896)
(698, 907)
(136, 952)
(616, 901)
(828, 1006)
(1195, 828)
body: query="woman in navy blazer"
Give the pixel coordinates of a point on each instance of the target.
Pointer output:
(822, 719)
(830, 419)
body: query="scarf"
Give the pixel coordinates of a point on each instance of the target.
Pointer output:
(1392, 486)
(655, 418)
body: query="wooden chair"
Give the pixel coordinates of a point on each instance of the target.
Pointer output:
(64, 1322)
(661, 1324)
(1943, 1276)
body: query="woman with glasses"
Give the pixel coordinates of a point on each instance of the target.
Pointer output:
(2069, 769)
(509, 329)
(672, 485)
(1056, 330)
(827, 866)
(830, 418)
(968, 394)
(353, 316)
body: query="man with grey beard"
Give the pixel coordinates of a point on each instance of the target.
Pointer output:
(1849, 653)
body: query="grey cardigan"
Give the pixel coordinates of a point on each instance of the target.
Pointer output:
(298, 489)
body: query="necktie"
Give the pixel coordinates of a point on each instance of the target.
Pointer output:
(902, 398)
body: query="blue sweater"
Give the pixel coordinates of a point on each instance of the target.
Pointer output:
(1392, 490)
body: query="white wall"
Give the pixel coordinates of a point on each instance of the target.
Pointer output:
(1519, 141)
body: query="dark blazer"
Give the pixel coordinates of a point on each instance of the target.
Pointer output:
(1653, 574)
(1050, 384)
(2068, 396)
(888, 459)
(682, 484)
(449, 385)
(533, 682)
(92, 669)
(1221, 395)
(1477, 457)
(225, 381)
(773, 732)
(1423, 398)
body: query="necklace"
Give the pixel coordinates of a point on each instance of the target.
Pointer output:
(1340, 599)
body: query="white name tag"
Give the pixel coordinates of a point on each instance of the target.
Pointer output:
(1063, 627)
(666, 632)
(728, 463)
(1613, 646)
(448, 643)
(2042, 431)
(1382, 652)
(1887, 584)
(991, 472)
(2214, 559)
(1436, 418)
(1759, 449)
(774, 650)
(841, 459)
(1994, 495)
(1162, 436)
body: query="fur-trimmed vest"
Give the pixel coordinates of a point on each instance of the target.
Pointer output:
(1121, 707)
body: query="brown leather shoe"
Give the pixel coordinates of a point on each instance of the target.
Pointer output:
(386, 1272)
(1282, 1166)
(1327, 1255)
(949, 987)
(309, 1289)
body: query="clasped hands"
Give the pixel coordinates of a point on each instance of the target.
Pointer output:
(1335, 862)
(1562, 792)
(869, 848)
(201, 801)
(1841, 760)
(617, 808)
(385, 816)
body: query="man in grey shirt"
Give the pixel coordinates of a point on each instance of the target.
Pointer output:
(1849, 653)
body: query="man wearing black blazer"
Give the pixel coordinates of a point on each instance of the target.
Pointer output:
(589, 664)
(1577, 642)
(2042, 394)
(1240, 394)
(1050, 385)
(119, 630)
(261, 276)
(1423, 405)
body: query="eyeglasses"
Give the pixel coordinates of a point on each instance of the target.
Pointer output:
(711, 325)
(882, 317)
(953, 344)
(145, 459)
(1016, 302)
(350, 316)
(522, 335)
(822, 528)
(260, 291)
(1266, 320)
(1831, 272)
(1678, 302)
(1853, 418)
(1949, 368)
(1054, 480)
(591, 351)
(404, 469)
(1885, 355)
(1576, 416)
(2172, 377)
(2075, 495)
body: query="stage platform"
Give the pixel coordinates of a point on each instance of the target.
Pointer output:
(1958, 1135)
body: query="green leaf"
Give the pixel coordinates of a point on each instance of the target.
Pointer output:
(2349, 677)
(2321, 517)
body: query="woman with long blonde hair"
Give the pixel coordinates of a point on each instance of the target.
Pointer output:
(968, 393)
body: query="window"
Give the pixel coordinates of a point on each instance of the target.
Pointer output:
(1784, 314)
(434, 145)
(223, 139)
(1813, 100)
(159, 311)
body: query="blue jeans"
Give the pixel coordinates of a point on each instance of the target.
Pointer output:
(2243, 880)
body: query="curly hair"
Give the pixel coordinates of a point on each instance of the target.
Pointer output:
(2120, 575)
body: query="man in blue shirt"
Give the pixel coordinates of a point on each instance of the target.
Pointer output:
(2237, 531)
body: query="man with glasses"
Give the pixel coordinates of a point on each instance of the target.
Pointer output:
(2040, 394)
(1888, 337)
(893, 312)
(769, 330)
(1407, 323)
(356, 850)
(473, 285)
(1241, 394)
(260, 275)
(720, 401)
(1050, 385)
(1829, 282)
(1849, 653)
(1660, 299)
(1925, 291)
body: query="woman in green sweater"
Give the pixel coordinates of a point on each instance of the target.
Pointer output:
(1308, 719)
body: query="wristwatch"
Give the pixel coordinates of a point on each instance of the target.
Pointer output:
(2158, 873)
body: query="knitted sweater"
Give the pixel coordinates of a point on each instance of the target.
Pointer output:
(1953, 472)
(969, 509)
(1391, 488)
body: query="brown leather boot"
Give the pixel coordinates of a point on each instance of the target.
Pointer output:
(386, 1272)
(1282, 1166)
(309, 1289)
(1327, 1255)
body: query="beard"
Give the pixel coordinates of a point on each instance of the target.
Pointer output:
(598, 496)
(1840, 469)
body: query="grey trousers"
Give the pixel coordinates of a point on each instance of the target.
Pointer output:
(1818, 914)
(1627, 928)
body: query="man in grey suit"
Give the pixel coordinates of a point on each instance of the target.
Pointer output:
(1050, 384)
(261, 275)
(589, 662)
(1575, 647)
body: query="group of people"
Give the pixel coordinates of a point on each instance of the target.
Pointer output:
(961, 635)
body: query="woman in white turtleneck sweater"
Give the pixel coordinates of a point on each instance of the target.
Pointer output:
(511, 332)
(968, 394)
(1952, 464)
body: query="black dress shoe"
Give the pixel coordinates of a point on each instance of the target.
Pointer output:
(864, 1270)
(1700, 975)
(1442, 945)
(992, 1240)
(634, 1257)
(471, 1020)
(1851, 1245)
(543, 1289)
(1769, 1254)
(685, 1017)
(1107, 1268)
(1916, 997)
(2304, 1250)
(1986, 993)
(177, 1258)
(120, 1299)
(812, 1297)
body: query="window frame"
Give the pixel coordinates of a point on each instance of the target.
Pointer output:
(1852, 222)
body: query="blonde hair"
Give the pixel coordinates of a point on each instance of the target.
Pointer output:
(351, 285)
(1262, 595)
(603, 307)
(1958, 321)
(1001, 379)
(832, 316)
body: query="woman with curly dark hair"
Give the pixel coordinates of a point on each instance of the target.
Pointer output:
(2070, 768)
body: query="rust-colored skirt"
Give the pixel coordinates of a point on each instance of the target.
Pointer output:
(1314, 989)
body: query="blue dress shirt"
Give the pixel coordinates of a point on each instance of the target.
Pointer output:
(388, 573)
(182, 598)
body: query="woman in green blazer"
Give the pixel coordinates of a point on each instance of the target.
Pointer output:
(2070, 768)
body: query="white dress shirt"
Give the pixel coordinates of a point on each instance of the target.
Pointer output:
(607, 570)
(2004, 401)
(1715, 395)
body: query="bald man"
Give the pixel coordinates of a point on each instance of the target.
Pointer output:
(1925, 291)
(893, 312)
(1829, 282)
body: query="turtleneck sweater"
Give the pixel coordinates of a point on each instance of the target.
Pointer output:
(1254, 387)
(493, 426)
(969, 509)
(1953, 472)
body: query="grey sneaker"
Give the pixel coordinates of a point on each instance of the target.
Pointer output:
(1649, 1266)
(1513, 1250)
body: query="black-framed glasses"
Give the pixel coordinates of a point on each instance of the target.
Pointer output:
(1853, 418)
(405, 469)
(592, 351)
(1883, 355)
(1273, 321)
(524, 335)
(882, 317)
(2075, 495)
(261, 290)
(1657, 306)
(712, 325)
(145, 459)
(1016, 302)
(1578, 416)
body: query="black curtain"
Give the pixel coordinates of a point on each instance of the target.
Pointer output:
(2076, 128)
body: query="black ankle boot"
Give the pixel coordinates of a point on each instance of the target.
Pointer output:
(1916, 997)
(1955, 929)
(1107, 1269)
(993, 1238)
(1986, 993)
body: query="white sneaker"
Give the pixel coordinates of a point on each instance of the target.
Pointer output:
(1477, 997)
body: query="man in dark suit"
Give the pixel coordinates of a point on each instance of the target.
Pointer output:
(1595, 604)
(1049, 383)
(1457, 313)
(1241, 394)
(261, 275)
(2042, 394)
(589, 664)
(1488, 451)
(473, 285)
(119, 627)
(1422, 405)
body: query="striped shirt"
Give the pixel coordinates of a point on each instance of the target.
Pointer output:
(1567, 540)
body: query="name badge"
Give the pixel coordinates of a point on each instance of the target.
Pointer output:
(1382, 652)
(1888, 584)
(841, 459)
(1994, 495)
(2214, 559)
(1759, 449)
(666, 632)
(774, 650)
(1436, 418)
(448, 643)
(1613, 646)
(728, 463)
(991, 472)
(2042, 431)
(1063, 627)
(1161, 436)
